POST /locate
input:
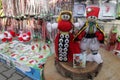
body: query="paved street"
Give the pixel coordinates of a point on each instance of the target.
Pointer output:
(7, 73)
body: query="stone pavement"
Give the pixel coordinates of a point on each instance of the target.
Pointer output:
(8, 73)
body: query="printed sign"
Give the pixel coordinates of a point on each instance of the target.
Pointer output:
(79, 10)
(107, 11)
(79, 60)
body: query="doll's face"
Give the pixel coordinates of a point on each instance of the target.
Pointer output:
(92, 18)
(65, 16)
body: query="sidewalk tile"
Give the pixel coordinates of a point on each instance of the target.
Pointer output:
(15, 76)
(2, 68)
(26, 78)
(8, 73)
(2, 77)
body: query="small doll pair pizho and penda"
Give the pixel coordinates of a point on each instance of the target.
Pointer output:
(90, 36)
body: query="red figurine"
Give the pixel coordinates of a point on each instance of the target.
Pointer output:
(112, 39)
(117, 49)
(65, 47)
(91, 35)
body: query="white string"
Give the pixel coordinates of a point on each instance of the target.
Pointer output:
(18, 8)
(4, 6)
(27, 7)
(22, 6)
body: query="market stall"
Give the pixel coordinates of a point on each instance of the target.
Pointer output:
(26, 58)
(23, 37)
(61, 39)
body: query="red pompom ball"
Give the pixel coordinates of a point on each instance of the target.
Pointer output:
(29, 33)
(4, 40)
(20, 39)
(64, 26)
(12, 33)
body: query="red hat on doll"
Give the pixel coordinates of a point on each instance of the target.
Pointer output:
(92, 11)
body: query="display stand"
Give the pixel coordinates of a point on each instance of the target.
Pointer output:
(66, 69)
(50, 72)
(63, 70)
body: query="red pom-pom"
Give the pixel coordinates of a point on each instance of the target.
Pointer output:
(64, 26)
(6, 34)
(29, 33)
(4, 40)
(12, 33)
(28, 39)
(17, 34)
(9, 39)
(20, 39)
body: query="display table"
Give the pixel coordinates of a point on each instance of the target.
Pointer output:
(54, 70)
(25, 58)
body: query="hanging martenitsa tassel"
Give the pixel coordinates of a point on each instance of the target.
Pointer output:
(4, 5)
(9, 33)
(10, 10)
(30, 7)
(26, 7)
(16, 17)
(37, 7)
(44, 31)
(24, 34)
(30, 11)
(19, 6)
(30, 26)
(22, 7)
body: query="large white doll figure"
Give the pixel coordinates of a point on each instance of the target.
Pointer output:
(91, 35)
